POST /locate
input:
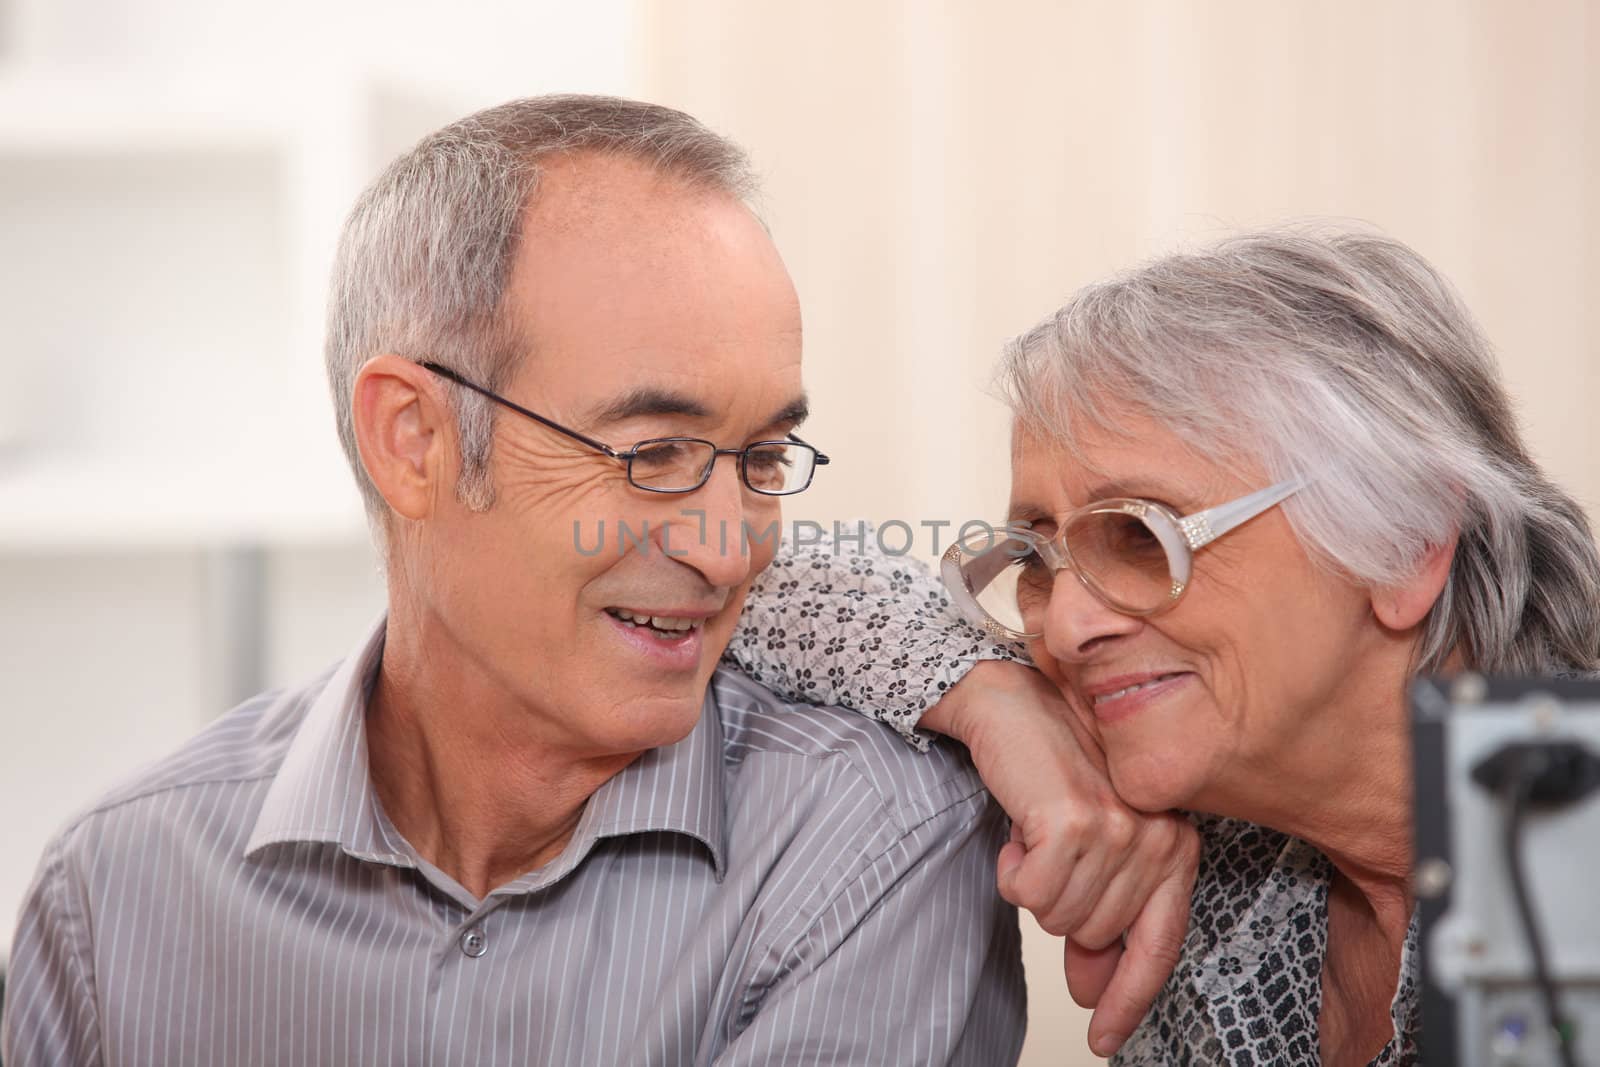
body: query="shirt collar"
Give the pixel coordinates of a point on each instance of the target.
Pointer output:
(323, 791)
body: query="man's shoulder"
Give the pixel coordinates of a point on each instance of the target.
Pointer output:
(911, 785)
(242, 747)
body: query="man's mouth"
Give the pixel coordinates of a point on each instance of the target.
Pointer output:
(663, 627)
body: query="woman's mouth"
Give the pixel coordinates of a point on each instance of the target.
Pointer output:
(1119, 698)
(1125, 690)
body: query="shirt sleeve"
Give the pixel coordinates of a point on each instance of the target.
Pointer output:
(50, 1015)
(842, 621)
(915, 959)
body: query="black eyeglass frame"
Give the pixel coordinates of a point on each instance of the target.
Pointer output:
(627, 457)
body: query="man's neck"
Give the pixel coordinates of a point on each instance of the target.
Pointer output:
(465, 776)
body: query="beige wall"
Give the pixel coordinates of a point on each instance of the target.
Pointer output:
(940, 175)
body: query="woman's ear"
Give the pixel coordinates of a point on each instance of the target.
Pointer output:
(400, 419)
(1405, 604)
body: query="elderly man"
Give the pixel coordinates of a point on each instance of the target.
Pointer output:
(528, 819)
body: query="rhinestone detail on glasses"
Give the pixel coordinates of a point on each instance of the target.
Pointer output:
(1197, 531)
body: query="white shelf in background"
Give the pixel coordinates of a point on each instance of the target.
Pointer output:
(243, 494)
(73, 116)
(162, 282)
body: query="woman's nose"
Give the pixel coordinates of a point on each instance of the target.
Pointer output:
(1076, 620)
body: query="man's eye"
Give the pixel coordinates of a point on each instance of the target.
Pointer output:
(661, 455)
(769, 459)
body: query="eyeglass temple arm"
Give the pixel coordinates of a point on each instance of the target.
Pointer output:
(445, 372)
(821, 460)
(1204, 527)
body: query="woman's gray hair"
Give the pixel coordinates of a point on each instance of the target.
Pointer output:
(1341, 356)
(425, 256)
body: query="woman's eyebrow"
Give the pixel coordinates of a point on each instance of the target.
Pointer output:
(1156, 490)
(1026, 511)
(1112, 490)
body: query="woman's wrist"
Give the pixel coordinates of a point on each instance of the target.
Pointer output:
(953, 715)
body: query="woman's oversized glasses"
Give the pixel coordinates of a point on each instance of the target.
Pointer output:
(1136, 556)
(683, 464)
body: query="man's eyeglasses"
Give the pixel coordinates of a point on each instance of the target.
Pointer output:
(1136, 556)
(683, 464)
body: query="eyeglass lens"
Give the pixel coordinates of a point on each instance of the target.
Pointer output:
(677, 464)
(1120, 557)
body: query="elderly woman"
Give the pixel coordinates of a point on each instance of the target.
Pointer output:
(1255, 491)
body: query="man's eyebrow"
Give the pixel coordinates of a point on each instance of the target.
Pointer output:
(647, 401)
(792, 414)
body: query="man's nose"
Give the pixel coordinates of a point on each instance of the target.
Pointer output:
(708, 533)
(1076, 621)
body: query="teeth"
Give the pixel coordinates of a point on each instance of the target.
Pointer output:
(1120, 693)
(670, 623)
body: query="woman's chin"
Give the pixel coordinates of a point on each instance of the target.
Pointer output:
(1151, 783)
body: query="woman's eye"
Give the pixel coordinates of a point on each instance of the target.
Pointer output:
(1135, 537)
(1034, 571)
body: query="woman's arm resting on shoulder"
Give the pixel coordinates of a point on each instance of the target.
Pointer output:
(1089, 867)
(844, 623)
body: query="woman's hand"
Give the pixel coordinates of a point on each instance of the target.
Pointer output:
(1114, 881)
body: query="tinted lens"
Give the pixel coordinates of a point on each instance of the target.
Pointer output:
(1122, 557)
(670, 463)
(1007, 579)
(779, 467)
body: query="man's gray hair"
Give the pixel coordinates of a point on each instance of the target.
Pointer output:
(1343, 357)
(425, 256)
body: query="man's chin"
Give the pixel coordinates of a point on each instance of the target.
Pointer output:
(654, 720)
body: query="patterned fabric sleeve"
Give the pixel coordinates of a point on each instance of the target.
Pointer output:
(843, 622)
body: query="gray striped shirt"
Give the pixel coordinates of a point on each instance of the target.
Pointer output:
(788, 884)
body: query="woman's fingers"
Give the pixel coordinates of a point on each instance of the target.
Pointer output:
(1164, 849)
(1060, 878)
(1089, 971)
(1083, 862)
(1150, 952)
(1012, 855)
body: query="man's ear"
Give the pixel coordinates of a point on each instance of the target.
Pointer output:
(1405, 604)
(401, 421)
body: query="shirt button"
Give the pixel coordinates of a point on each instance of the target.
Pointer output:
(473, 943)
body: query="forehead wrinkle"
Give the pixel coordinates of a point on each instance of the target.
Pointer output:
(1111, 458)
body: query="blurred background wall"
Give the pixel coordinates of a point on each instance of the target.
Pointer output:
(176, 526)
